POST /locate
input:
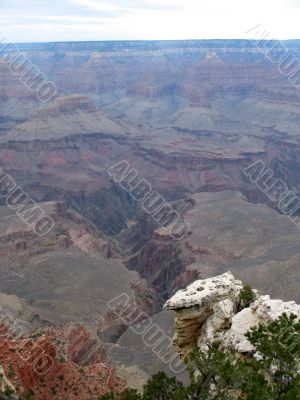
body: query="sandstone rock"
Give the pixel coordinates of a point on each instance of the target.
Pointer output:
(209, 310)
(219, 321)
(205, 292)
(271, 309)
(241, 323)
(203, 308)
(57, 363)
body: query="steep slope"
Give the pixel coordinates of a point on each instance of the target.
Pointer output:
(226, 231)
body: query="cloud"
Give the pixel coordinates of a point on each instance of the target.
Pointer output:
(167, 5)
(145, 19)
(77, 18)
(100, 6)
(294, 3)
(129, 5)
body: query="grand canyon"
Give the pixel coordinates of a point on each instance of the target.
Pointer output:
(189, 118)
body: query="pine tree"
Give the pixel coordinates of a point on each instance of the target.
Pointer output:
(272, 372)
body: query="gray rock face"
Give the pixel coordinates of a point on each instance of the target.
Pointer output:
(207, 310)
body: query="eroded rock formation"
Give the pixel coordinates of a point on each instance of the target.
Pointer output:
(57, 363)
(210, 309)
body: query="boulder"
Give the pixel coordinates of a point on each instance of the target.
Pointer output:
(210, 309)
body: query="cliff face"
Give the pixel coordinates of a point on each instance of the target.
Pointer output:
(210, 310)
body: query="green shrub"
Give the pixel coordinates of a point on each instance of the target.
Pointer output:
(8, 391)
(221, 374)
(247, 296)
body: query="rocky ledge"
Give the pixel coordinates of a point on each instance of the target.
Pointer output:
(211, 309)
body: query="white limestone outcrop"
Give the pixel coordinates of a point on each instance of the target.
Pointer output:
(206, 291)
(210, 309)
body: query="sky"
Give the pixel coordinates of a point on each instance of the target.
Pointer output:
(68, 20)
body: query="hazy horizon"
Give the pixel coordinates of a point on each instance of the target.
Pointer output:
(146, 40)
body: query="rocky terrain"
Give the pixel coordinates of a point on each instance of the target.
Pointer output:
(52, 363)
(188, 117)
(209, 310)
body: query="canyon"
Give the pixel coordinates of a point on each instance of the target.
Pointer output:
(188, 117)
